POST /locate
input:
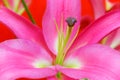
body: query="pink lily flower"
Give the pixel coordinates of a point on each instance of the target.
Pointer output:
(53, 54)
(15, 5)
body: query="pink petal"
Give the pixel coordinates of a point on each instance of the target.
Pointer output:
(98, 62)
(98, 29)
(13, 74)
(21, 27)
(98, 7)
(20, 58)
(62, 9)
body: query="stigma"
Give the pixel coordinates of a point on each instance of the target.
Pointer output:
(71, 21)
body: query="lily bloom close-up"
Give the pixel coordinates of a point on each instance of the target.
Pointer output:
(60, 50)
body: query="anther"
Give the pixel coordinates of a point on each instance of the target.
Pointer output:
(71, 21)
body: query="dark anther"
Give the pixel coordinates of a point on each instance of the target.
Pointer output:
(71, 21)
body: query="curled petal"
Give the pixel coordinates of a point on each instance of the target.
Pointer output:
(98, 29)
(57, 15)
(24, 59)
(97, 62)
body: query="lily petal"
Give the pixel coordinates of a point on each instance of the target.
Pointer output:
(24, 59)
(98, 29)
(98, 7)
(31, 74)
(59, 13)
(21, 27)
(98, 62)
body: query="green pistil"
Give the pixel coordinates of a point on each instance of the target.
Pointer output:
(6, 3)
(62, 41)
(28, 12)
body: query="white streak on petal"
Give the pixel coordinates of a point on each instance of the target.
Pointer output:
(72, 63)
(42, 63)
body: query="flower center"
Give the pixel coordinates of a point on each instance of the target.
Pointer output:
(63, 40)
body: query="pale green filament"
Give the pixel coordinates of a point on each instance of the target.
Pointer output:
(16, 5)
(6, 3)
(62, 41)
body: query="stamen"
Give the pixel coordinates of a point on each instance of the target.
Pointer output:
(60, 57)
(71, 21)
